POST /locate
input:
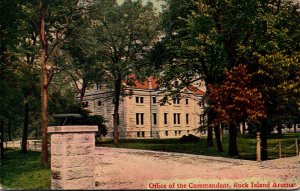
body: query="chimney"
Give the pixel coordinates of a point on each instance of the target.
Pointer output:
(150, 83)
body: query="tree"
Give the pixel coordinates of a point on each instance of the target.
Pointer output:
(190, 51)
(16, 64)
(273, 55)
(56, 23)
(279, 75)
(235, 101)
(223, 34)
(125, 34)
(24, 29)
(84, 69)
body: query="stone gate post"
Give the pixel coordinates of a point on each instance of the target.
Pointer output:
(72, 157)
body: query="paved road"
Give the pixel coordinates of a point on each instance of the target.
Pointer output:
(138, 169)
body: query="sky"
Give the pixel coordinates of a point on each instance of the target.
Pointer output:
(157, 3)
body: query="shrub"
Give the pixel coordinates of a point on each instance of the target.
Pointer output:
(189, 138)
(84, 120)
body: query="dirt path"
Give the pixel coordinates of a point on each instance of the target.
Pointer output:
(138, 169)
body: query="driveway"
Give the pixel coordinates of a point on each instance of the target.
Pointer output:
(138, 169)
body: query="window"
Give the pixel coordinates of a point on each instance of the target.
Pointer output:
(179, 132)
(140, 134)
(186, 101)
(139, 118)
(175, 133)
(139, 99)
(154, 119)
(202, 117)
(153, 100)
(98, 86)
(142, 119)
(165, 118)
(99, 103)
(176, 100)
(167, 133)
(176, 118)
(187, 119)
(85, 104)
(201, 103)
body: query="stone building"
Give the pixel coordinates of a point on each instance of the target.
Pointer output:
(142, 115)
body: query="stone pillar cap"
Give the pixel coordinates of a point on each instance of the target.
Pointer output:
(72, 129)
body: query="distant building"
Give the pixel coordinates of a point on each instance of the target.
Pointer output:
(143, 116)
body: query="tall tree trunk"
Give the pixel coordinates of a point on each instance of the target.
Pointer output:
(1, 140)
(264, 139)
(44, 84)
(232, 150)
(81, 97)
(243, 128)
(210, 138)
(9, 129)
(116, 110)
(222, 130)
(25, 128)
(36, 133)
(218, 138)
(279, 129)
(295, 128)
(289, 126)
(82, 91)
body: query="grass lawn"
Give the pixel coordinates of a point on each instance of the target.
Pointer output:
(24, 171)
(246, 146)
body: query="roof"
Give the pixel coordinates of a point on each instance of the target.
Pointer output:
(195, 90)
(151, 83)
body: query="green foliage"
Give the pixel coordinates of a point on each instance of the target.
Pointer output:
(202, 38)
(95, 120)
(17, 69)
(20, 59)
(24, 171)
(63, 101)
(124, 35)
(279, 75)
(84, 120)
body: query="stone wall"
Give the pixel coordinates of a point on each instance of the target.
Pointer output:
(72, 157)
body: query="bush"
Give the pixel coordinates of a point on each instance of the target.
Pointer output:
(84, 120)
(189, 138)
(95, 120)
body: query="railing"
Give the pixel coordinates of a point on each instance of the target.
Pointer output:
(278, 147)
(33, 145)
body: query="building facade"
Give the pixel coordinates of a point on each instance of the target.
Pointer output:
(143, 115)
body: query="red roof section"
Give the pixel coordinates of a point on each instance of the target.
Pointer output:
(151, 83)
(195, 90)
